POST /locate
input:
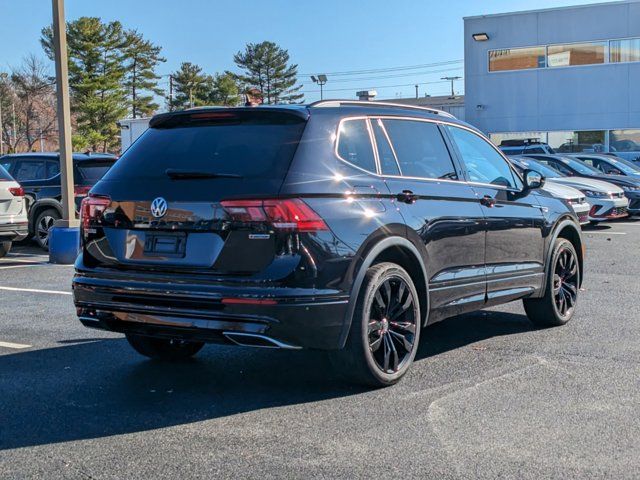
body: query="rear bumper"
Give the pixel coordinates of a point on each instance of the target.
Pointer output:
(14, 231)
(293, 318)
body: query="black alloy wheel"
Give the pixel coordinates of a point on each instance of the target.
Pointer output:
(392, 325)
(558, 304)
(385, 329)
(565, 282)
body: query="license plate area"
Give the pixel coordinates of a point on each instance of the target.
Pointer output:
(165, 244)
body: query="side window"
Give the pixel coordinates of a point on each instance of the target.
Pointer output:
(354, 144)
(30, 170)
(388, 163)
(558, 166)
(484, 164)
(420, 149)
(53, 169)
(6, 165)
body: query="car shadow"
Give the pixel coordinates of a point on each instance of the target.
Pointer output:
(100, 387)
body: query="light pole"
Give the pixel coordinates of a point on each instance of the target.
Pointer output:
(320, 80)
(3, 77)
(451, 79)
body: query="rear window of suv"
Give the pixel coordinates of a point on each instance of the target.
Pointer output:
(251, 144)
(91, 172)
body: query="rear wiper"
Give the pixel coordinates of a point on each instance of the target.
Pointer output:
(176, 174)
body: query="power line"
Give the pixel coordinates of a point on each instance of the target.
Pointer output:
(388, 69)
(379, 86)
(381, 77)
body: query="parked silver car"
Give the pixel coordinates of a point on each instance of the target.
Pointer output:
(13, 212)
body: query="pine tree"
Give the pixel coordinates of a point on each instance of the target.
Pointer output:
(96, 79)
(266, 67)
(225, 90)
(191, 87)
(141, 58)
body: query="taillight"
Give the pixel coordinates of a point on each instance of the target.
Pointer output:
(91, 210)
(81, 190)
(284, 214)
(16, 191)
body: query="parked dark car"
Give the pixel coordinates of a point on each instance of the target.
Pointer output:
(610, 165)
(571, 166)
(342, 226)
(526, 145)
(39, 175)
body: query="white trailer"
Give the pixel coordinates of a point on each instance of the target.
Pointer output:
(131, 129)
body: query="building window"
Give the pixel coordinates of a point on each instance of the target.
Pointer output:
(516, 59)
(576, 54)
(624, 141)
(625, 50)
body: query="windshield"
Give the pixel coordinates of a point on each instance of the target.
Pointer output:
(254, 147)
(627, 168)
(580, 167)
(547, 172)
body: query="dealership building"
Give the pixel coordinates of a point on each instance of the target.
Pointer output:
(569, 76)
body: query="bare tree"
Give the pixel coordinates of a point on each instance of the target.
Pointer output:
(36, 102)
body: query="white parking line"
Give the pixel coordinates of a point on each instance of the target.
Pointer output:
(34, 290)
(17, 346)
(20, 260)
(33, 265)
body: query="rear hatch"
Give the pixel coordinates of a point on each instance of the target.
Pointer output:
(11, 200)
(196, 192)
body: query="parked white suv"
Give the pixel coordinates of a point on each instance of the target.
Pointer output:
(14, 225)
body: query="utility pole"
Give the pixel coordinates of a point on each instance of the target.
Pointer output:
(1, 131)
(416, 90)
(170, 92)
(15, 132)
(451, 79)
(64, 116)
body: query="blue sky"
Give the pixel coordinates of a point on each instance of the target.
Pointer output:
(321, 36)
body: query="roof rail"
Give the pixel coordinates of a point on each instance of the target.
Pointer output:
(373, 104)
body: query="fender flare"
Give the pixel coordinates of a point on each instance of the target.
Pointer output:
(366, 262)
(558, 227)
(44, 203)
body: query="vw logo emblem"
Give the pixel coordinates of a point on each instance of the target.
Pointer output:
(159, 207)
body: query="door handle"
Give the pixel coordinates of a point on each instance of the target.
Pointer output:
(407, 196)
(488, 201)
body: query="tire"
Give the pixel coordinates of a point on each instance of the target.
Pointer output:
(44, 221)
(368, 355)
(164, 349)
(5, 247)
(563, 281)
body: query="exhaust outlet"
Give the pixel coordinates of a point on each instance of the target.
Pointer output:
(257, 340)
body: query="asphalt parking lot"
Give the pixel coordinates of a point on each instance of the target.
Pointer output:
(489, 395)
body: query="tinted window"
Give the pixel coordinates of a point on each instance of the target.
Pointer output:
(484, 164)
(6, 164)
(388, 164)
(354, 144)
(253, 144)
(53, 169)
(420, 149)
(30, 170)
(535, 150)
(91, 172)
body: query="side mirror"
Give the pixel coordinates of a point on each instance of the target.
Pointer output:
(532, 179)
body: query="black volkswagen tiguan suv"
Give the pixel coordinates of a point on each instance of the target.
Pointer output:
(340, 225)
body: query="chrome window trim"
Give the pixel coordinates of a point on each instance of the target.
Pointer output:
(393, 150)
(429, 120)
